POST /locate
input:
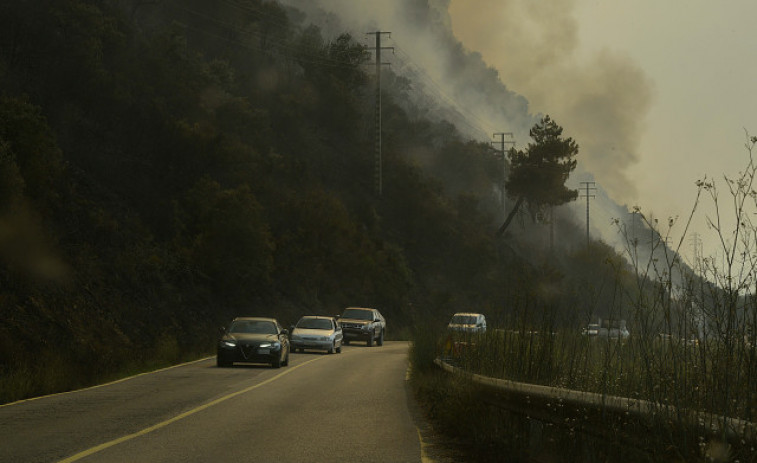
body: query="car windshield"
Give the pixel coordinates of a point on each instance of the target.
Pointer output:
(463, 320)
(315, 324)
(358, 314)
(253, 326)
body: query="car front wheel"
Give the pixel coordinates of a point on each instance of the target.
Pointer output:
(380, 341)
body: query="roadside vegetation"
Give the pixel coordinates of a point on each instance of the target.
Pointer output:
(691, 349)
(166, 166)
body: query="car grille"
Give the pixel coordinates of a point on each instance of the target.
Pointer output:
(248, 350)
(352, 325)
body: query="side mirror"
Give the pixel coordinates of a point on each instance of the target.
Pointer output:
(291, 328)
(285, 332)
(222, 330)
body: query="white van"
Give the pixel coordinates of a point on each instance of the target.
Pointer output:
(468, 322)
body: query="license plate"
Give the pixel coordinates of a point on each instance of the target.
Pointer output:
(264, 351)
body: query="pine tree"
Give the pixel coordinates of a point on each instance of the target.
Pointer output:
(538, 174)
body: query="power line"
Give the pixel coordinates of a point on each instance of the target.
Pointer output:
(283, 48)
(250, 9)
(290, 51)
(502, 143)
(437, 88)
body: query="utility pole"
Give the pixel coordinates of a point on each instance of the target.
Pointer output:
(589, 187)
(378, 172)
(501, 150)
(634, 240)
(651, 235)
(696, 244)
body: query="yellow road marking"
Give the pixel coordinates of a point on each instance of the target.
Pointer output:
(176, 418)
(424, 454)
(424, 446)
(30, 399)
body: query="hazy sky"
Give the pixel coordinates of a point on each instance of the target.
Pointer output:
(659, 91)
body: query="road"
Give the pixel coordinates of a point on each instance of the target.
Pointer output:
(353, 406)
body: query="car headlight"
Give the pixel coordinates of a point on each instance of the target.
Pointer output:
(228, 344)
(265, 344)
(366, 327)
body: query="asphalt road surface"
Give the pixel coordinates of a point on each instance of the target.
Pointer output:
(348, 407)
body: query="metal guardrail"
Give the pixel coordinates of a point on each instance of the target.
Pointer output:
(631, 422)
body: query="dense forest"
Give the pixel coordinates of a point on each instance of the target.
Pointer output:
(167, 165)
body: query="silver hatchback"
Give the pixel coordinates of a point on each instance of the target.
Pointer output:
(317, 333)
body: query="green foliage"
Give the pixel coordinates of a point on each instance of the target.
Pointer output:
(11, 181)
(167, 165)
(30, 151)
(470, 426)
(231, 245)
(539, 173)
(31, 166)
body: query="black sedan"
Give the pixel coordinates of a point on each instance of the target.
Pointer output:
(253, 340)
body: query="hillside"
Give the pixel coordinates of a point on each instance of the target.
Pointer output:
(169, 165)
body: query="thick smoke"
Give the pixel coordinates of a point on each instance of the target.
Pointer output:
(426, 51)
(532, 48)
(502, 61)
(601, 101)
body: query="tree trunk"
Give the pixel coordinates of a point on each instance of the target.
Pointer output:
(510, 216)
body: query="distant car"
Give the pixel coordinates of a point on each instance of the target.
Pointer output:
(319, 333)
(614, 329)
(363, 324)
(253, 340)
(618, 333)
(467, 322)
(592, 329)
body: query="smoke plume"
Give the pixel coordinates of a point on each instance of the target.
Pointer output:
(503, 60)
(601, 101)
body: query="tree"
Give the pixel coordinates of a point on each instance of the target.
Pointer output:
(231, 243)
(538, 174)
